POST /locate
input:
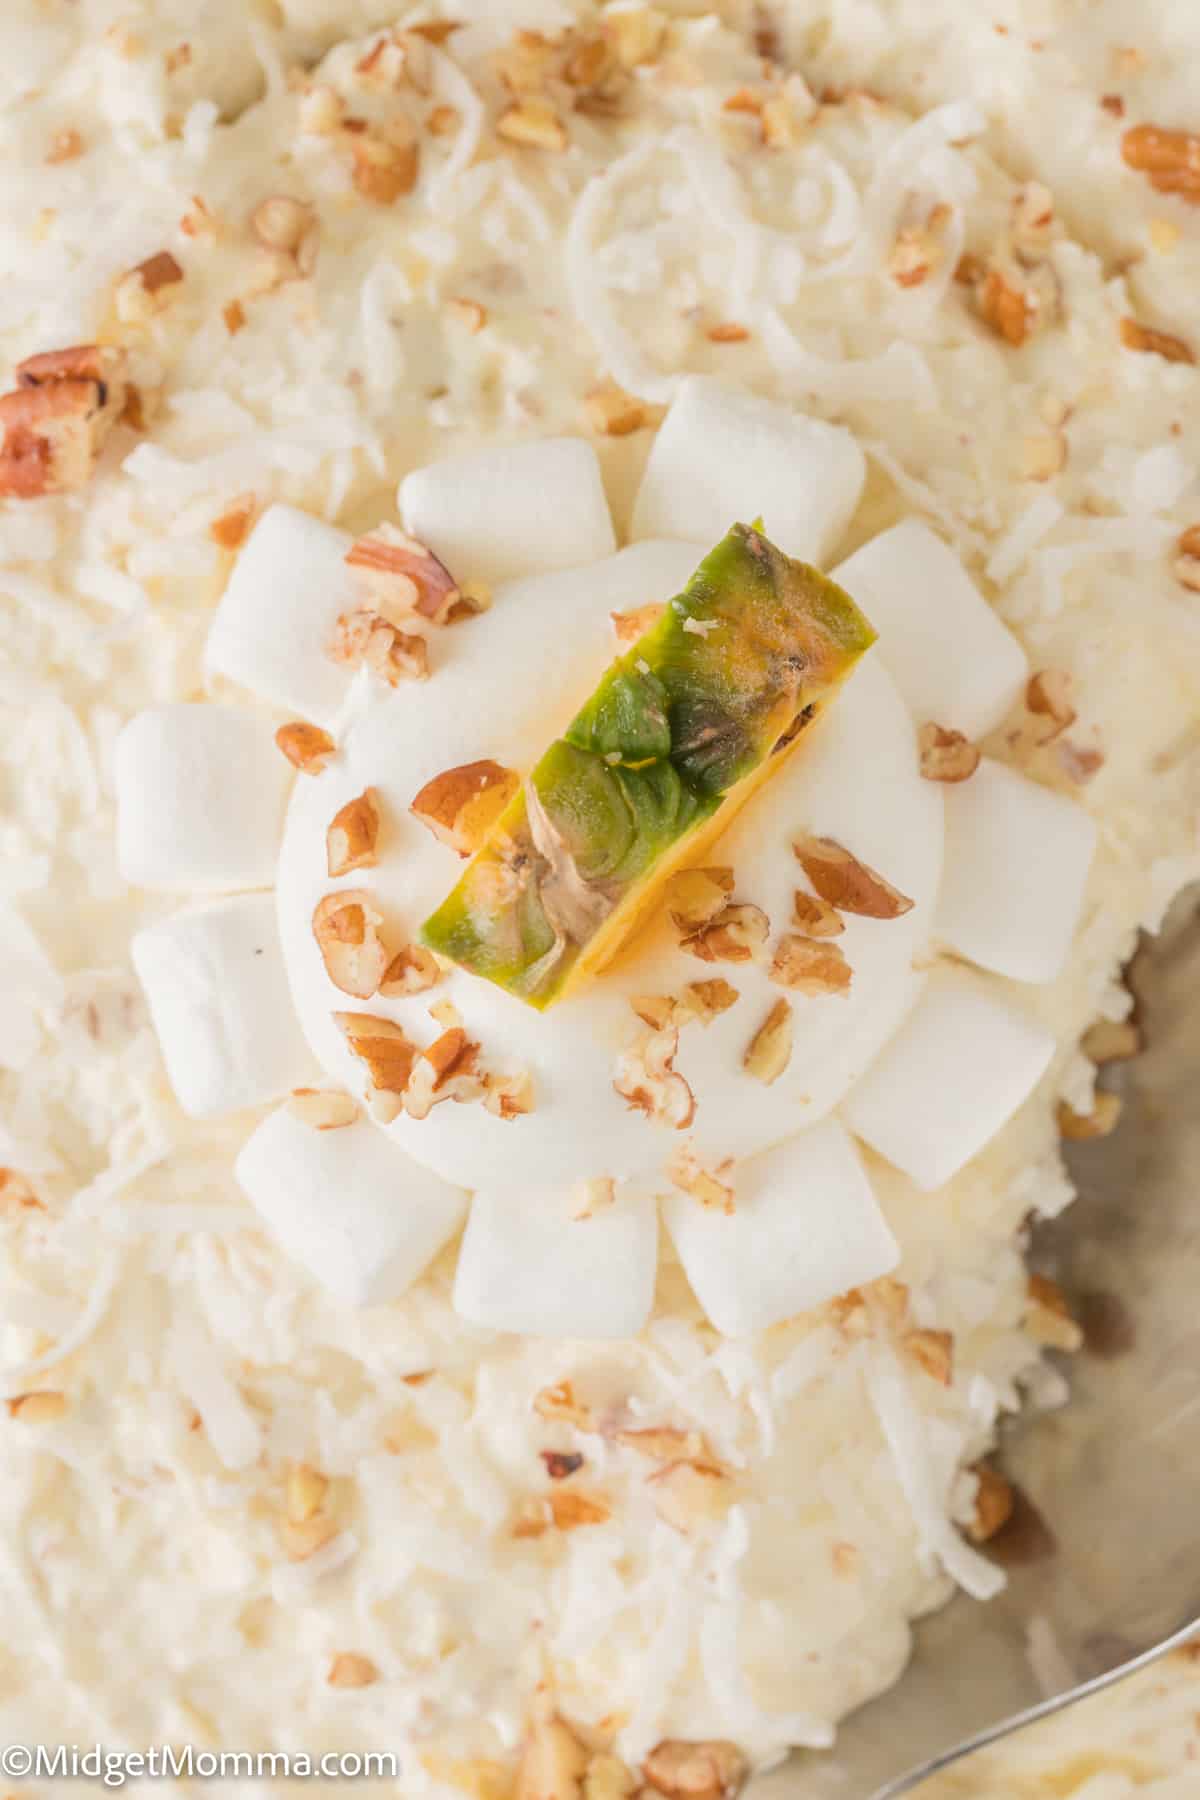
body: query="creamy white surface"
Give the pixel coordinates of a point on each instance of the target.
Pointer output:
(146, 1252)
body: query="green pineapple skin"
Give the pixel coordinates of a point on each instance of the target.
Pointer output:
(673, 726)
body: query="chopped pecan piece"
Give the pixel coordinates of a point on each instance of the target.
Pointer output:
(1048, 696)
(1006, 309)
(532, 122)
(305, 1492)
(446, 1070)
(368, 638)
(695, 896)
(322, 1109)
(461, 805)
(53, 426)
(706, 1000)
(630, 626)
(385, 168)
(705, 1771)
(508, 1096)
(1146, 339)
(770, 1050)
(1171, 159)
(946, 755)
(413, 970)
(1099, 1123)
(665, 1443)
(559, 1402)
(561, 1464)
(1048, 1318)
(403, 576)
(686, 1172)
(932, 1351)
(469, 313)
(45, 1406)
(636, 33)
(738, 933)
(290, 229)
(612, 412)
(994, 1501)
(647, 1079)
(387, 1052)
(727, 331)
(809, 966)
(145, 290)
(687, 1494)
(846, 883)
(1112, 1040)
(816, 918)
(350, 1670)
(306, 747)
(346, 927)
(352, 839)
(229, 529)
(553, 1761)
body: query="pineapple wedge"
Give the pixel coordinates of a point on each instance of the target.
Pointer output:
(678, 734)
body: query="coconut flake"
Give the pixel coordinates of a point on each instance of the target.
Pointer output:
(1022, 538)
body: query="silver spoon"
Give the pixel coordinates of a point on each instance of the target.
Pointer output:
(1103, 1553)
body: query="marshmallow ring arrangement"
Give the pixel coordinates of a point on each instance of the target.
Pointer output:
(923, 1067)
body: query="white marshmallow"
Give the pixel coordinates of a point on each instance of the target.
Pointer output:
(219, 1000)
(201, 792)
(1017, 862)
(724, 455)
(806, 1227)
(953, 1075)
(276, 618)
(519, 510)
(348, 1205)
(950, 656)
(529, 1264)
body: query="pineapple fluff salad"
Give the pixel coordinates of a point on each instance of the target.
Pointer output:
(332, 1423)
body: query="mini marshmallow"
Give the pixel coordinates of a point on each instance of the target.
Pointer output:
(520, 510)
(950, 656)
(201, 792)
(953, 1075)
(219, 1001)
(348, 1205)
(806, 1226)
(724, 455)
(277, 616)
(1017, 862)
(529, 1263)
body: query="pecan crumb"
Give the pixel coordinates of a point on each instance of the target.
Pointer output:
(1171, 159)
(612, 412)
(994, 1501)
(1101, 1122)
(709, 1186)
(1048, 1319)
(947, 755)
(770, 1050)
(350, 1670)
(810, 966)
(532, 123)
(1146, 339)
(700, 1771)
(307, 747)
(560, 1464)
(232, 527)
(932, 1351)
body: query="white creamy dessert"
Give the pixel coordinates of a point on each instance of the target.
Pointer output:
(277, 1476)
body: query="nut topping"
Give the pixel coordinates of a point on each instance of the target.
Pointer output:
(666, 1443)
(695, 896)
(1146, 339)
(630, 626)
(688, 1494)
(305, 1493)
(350, 1670)
(738, 933)
(290, 229)
(388, 1053)
(946, 755)
(1005, 309)
(352, 839)
(770, 1050)
(532, 122)
(368, 638)
(686, 1172)
(230, 529)
(1187, 563)
(846, 883)
(461, 805)
(561, 1464)
(647, 1078)
(44, 1407)
(932, 1351)
(1048, 1318)
(413, 970)
(816, 918)
(508, 1096)
(636, 33)
(446, 1070)
(1171, 159)
(612, 412)
(301, 1541)
(1048, 697)
(708, 1771)
(145, 290)
(1112, 1040)
(322, 1110)
(385, 168)
(808, 966)
(553, 1760)
(345, 925)
(706, 1000)
(53, 426)
(559, 1402)
(994, 1502)
(306, 747)
(402, 576)
(1101, 1122)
